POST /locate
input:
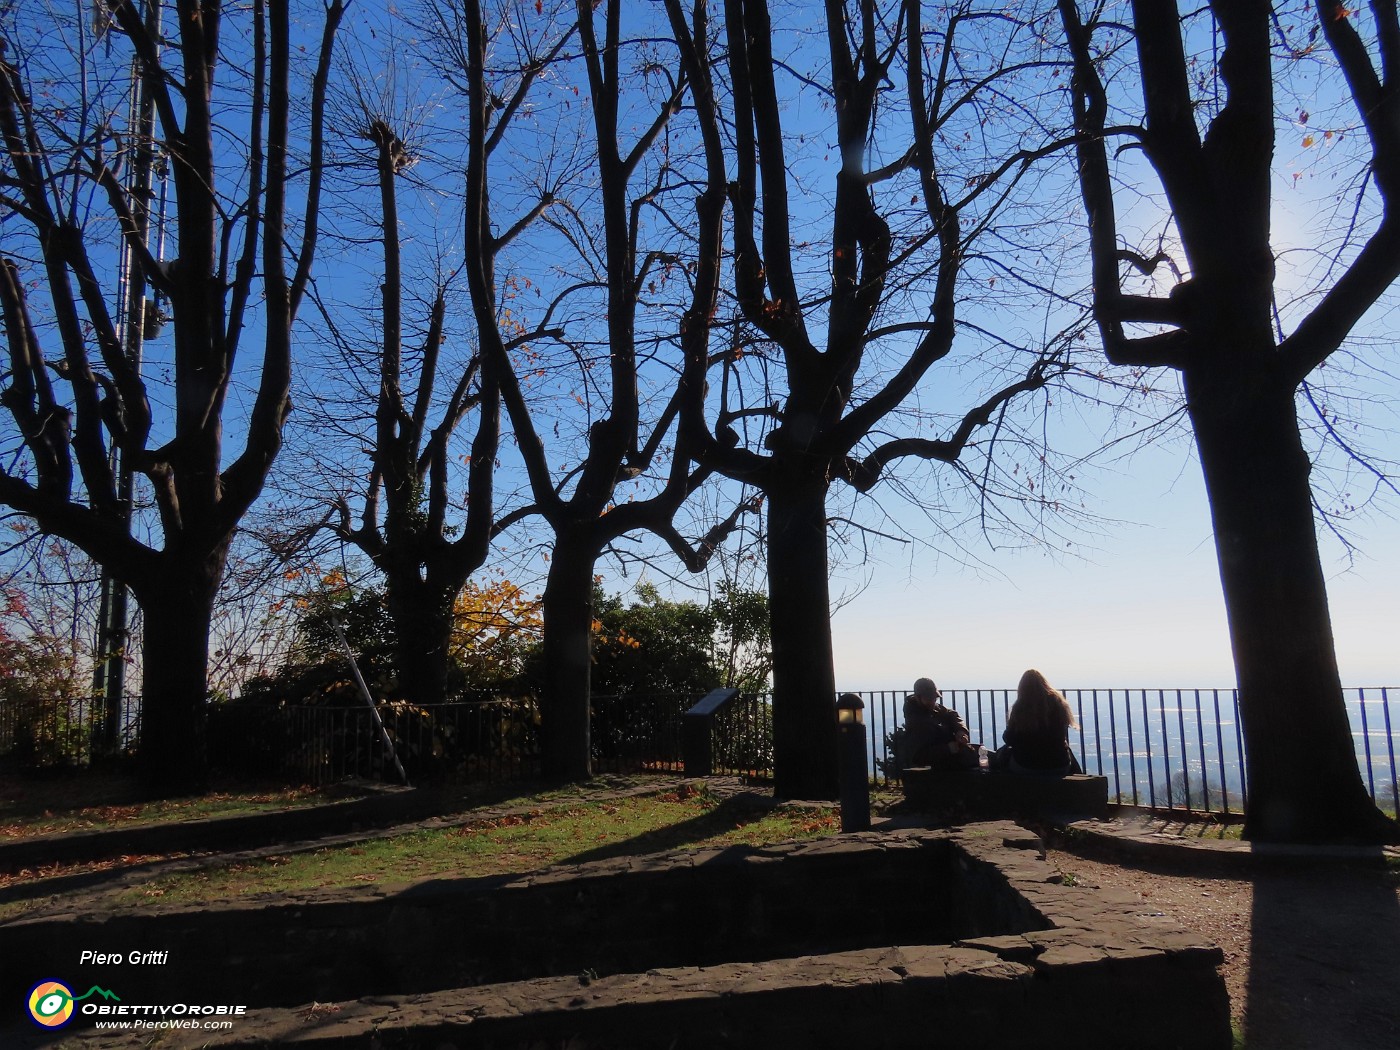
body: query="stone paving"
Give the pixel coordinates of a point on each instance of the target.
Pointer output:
(1145, 837)
(1050, 958)
(417, 1017)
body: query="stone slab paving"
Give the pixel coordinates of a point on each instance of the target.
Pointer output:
(1091, 965)
(1157, 839)
(1106, 928)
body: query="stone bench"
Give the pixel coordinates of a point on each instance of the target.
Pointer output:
(984, 793)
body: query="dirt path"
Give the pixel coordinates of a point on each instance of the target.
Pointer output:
(1312, 954)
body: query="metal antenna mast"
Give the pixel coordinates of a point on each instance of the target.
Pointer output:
(135, 315)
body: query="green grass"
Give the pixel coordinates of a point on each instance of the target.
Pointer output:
(567, 833)
(1209, 830)
(102, 802)
(94, 802)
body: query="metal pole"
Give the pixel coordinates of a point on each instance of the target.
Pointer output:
(364, 691)
(109, 677)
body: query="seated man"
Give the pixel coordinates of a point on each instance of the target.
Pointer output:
(935, 735)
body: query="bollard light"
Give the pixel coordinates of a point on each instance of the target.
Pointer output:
(850, 710)
(852, 771)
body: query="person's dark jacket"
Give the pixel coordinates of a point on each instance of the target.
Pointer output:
(1039, 751)
(930, 734)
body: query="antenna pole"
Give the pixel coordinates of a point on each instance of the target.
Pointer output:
(113, 618)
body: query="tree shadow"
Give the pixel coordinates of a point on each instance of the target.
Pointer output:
(1324, 959)
(729, 814)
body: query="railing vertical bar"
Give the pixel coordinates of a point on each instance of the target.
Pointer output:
(1185, 748)
(1239, 745)
(334, 754)
(1205, 762)
(894, 722)
(1113, 746)
(310, 722)
(318, 753)
(1132, 743)
(1390, 751)
(1166, 745)
(1220, 752)
(1147, 747)
(893, 717)
(1366, 743)
(1098, 736)
(1079, 717)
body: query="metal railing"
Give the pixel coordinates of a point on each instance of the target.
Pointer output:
(1172, 749)
(67, 732)
(474, 741)
(315, 745)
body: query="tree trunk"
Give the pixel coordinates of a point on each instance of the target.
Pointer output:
(177, 607)
(1303, 781)
(422, 618)
(804, 678)
(565, 652)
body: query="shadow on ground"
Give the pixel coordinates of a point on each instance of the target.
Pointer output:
(1306, 933)
(729, 814)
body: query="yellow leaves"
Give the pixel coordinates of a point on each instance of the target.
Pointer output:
(1308, 141)
(492, 621)
(333, 579)
(622, 639)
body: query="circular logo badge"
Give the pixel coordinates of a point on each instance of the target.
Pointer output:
(51, 1004)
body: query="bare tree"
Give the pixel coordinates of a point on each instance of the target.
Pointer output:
(420, 540)
(228, 254)
(616, 299)
(1207, 129)
(935, 131)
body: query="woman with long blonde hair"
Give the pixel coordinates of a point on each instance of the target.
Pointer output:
(1037, 729)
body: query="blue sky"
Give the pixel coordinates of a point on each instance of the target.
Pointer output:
(1142, 608)
(1138, 602)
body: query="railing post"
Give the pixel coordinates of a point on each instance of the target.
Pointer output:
(697, 732)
